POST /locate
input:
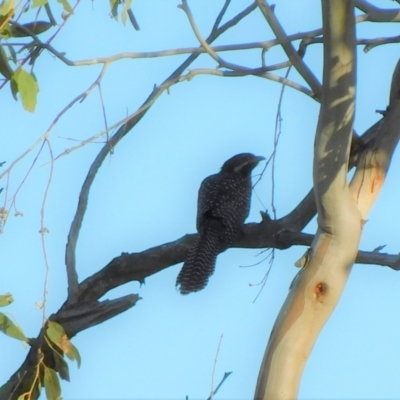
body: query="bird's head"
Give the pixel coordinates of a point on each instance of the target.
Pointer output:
(242, 163)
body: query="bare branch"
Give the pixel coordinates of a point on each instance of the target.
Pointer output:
(376, 14)
(226, 375)
(287, 46)
(372, 43)
(221, 62)
(368, 43)
(213, 372)
(265, 45)
(220, 15)
(256, 72)
(77, 319)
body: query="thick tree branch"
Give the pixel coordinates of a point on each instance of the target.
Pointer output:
(121, 132)
(130, 267)
(373, 165)
(318, 286)
(86, 315)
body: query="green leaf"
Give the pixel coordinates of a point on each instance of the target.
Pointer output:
(6, 299)
(36, 28)
(13, 54)
(51, 384)
(7, 71)
(57, 335)
(23, 396)
(55, 332)
(66, 6)
(114, 8)
(27, 87)
(38, 3)
(6, 7)
(10, 329)
(5, 68)
(5, 32)
(73, 354)
(61, 366)
(124, 13)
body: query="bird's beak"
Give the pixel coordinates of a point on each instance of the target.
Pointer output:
(260, 158)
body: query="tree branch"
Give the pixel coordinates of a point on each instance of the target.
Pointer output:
(121, 132)
(221, 62)
(373, 165)
(254, 72)
(289, 49)
(319, 284)
(376, 14)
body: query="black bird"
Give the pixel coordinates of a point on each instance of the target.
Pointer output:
(222, 207)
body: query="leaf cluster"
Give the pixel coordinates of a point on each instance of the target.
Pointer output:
(50, 362)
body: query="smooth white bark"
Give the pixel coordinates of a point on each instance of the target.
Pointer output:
(319, 285)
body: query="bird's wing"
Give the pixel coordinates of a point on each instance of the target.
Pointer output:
(208, 195)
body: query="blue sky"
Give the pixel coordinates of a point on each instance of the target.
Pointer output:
(145, 194)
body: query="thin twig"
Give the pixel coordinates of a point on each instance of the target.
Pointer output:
(272, 159)
(272, 77)
(368, 43)
(44, 230)
(165, 86)
(277, 134)
(263, 281)
(20, 378)
(221, 62)
(103, 109)
(42, 140)
(14, 197)
(214, 366)
(220, 15)
(61, 26)
(226, 375)
(80, 97)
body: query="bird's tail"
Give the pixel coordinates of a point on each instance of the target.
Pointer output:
(199, 264)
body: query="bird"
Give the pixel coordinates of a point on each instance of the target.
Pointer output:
(222, 207)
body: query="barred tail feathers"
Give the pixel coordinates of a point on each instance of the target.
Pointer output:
(200, 263)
